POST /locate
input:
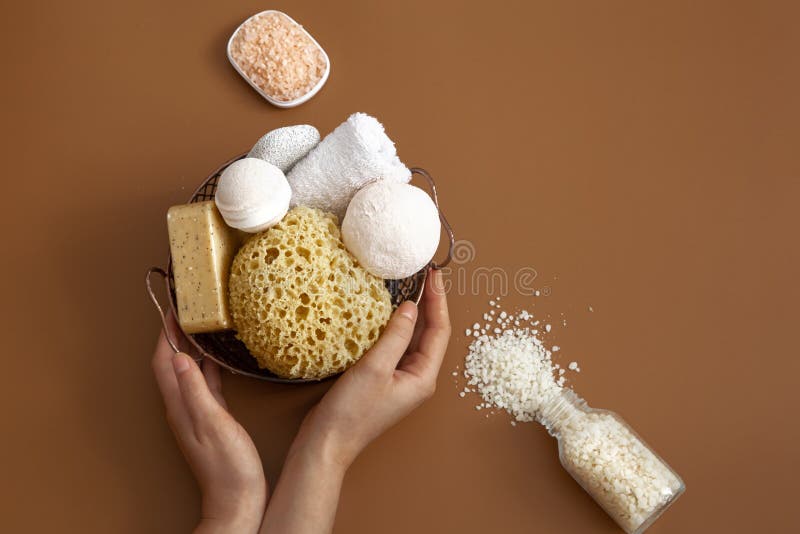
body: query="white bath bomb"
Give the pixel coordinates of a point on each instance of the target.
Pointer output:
(356, 153)
(285, 146)
(252, 195)
(392, 229)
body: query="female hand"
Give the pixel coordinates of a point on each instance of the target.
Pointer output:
(388, 382)
(219, 451)
(395, 376)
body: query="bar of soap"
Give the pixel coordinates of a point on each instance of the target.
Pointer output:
(202, 248)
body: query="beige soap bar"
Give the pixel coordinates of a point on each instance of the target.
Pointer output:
(202, 248)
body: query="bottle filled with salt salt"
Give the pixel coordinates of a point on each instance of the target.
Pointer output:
(611, 462)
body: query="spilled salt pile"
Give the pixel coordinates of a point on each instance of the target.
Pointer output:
(510, 367)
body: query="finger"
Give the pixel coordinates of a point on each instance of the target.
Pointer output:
(168, 383)
(211, 372)
(392, 344)
(198, 400)
(435, 336)
(177, 335)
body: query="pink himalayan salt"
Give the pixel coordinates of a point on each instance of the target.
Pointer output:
(277, 55)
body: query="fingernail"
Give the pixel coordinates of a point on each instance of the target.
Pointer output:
(180, 363)
(438, 282)
(408, 309)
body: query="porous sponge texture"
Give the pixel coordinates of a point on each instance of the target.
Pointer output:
(300, 302)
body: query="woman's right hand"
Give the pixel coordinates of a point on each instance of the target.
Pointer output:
(394, 377)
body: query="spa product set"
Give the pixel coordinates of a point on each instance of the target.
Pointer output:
(267, 257)
(288, 261)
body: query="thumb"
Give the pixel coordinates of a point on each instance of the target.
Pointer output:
(197, 397)
(394, 340)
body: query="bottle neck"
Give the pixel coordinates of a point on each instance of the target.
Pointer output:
(563, 408)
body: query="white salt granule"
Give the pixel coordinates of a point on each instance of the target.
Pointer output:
(573, 365)
(468, 332)
(556, 348)
(547, 327)
(476, 326)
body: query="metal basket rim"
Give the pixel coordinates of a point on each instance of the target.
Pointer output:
(420, 279)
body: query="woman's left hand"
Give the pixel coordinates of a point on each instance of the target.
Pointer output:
(219, 451)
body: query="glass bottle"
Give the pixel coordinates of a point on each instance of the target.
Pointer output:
(611, 462)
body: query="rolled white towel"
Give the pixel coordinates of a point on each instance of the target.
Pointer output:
(357, 152)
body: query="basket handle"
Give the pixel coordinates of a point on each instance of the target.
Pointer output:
(447, 228)
(159, 271)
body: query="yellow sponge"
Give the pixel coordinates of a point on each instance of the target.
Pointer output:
(300, 302)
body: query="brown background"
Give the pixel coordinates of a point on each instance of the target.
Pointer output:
(641, 156)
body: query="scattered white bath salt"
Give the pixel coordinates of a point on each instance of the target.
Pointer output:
(486, 317)
(462, 394)
(524, 315)
(512, 371)
(478, 407)
(503, 315)
(476, 326)
(573, 366)
(468, 332)
(513, 423)
(535, 323)
(497, 331)
(547, 327)
(491, 312)
(491, 303)
(561, 371)
(455, 373)
(556, 348)
(475, 333)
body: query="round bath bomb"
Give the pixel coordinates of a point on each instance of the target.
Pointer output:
(252, 195)
(286, 146)
(300, 302)
(392, 229)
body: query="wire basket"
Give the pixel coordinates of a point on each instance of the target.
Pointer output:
(229, 352)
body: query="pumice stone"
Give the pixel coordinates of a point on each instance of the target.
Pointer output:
(285, 146)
